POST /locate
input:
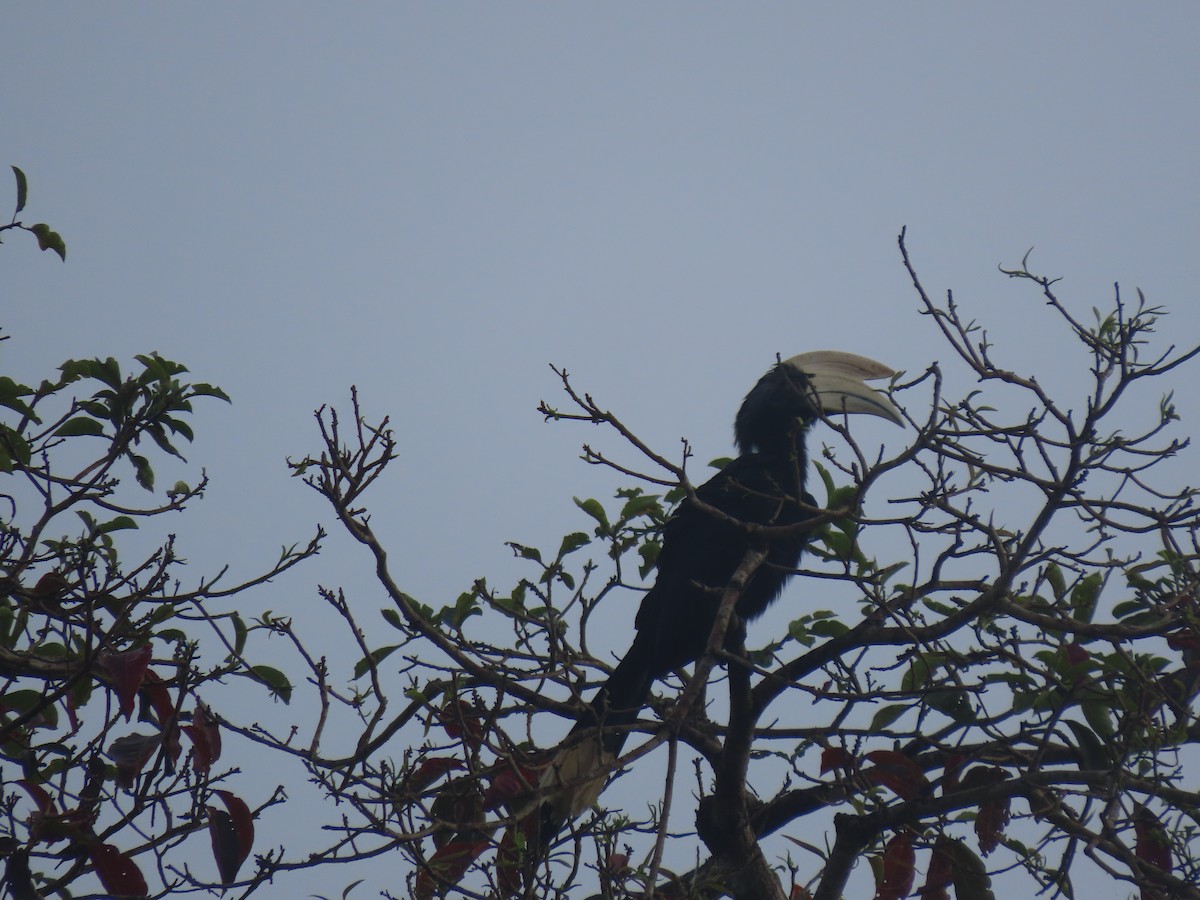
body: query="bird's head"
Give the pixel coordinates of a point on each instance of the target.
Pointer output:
(796, 391)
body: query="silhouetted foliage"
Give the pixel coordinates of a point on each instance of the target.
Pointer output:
(989, 670)
(991, 666)
(110, 756)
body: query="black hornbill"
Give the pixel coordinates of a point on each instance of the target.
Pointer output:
(700, 553)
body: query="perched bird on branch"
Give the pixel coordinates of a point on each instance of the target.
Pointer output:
(703, 545)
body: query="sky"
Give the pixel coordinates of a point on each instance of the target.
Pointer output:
(435, 202)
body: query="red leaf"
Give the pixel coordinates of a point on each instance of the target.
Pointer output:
(894, 770)
(97, 772)
(117, 872)
(154, 690)
(1153, 845)
(510, 860)
(1184, 639)
(232, 835)
(1076, 654)
(429, 771)
(993, 814)
(515, 781)
(989, 824)
(463, 720)
(243, 821)
(447, 866)
(72, 711)
(899, 867)
(941, 872)
(126, 669)
(206, 738)
(130, 753)
(39, 796)
(509, 871)
(223, 835)
(49, 591)
(616, 864)
(48, 825)
(954, 765)
(835, 758)
(161, 712)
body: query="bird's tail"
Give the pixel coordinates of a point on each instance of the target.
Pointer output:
(574, 780)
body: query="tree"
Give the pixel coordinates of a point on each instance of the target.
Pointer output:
(990, 668)
(89, 638)
(1004, 677)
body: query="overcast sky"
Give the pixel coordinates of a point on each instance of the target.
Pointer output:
(435, 201)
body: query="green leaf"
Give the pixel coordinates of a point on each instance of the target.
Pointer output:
(525, 552)
(648, 552)
(952, 703)
(208, 390)
(163, 613)
(393, 618)
(156, 432)
(10, 395)
(572, 542)
(886, 716)
(142, 471)
(828, 628)
(1099, 715)
(178, 426)
(158, 368)
(419, 608)
(13, 447)
(464, 607)
(942, 609)
(107, 371)
(275, 681)
(95, 409)
(7, 621)
(1085, 595)
(594, 509)
(920, 671)
(374, 658)
(22, 190)
(640, 505)
(1128, 608)
(840, 545)
(25, 701)
(80, 426)
(512, 605)
(53, 650)
(120, 523)
(49, 240)
(1093, 752)
(798, 631)
(239, 633)
(971, 879)
(1058, 584)
(826, 478)
(840, 497)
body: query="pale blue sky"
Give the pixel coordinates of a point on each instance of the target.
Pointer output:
(434, 201)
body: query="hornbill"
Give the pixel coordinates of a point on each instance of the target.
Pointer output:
(701, 551)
